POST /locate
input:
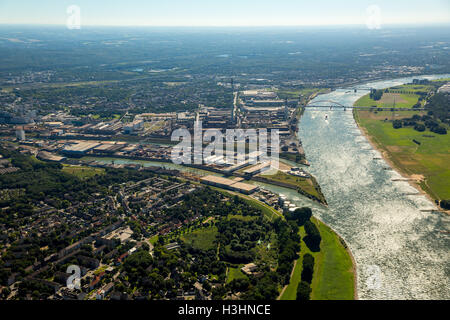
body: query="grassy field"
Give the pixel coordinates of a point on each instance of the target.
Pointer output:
(153, 239)
(412, 88)
(404, 96)
(333, 270)
(82, 172)
(443, 79)
(387, 101)
(429, 160)
(235, 273)
(304, 184)
(291, 290)
(202, 239)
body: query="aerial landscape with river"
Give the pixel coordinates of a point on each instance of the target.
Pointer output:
(224, 164)
(378, 213)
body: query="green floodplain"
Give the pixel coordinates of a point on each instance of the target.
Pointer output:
(334, 275)
(422, 156)
(307, 186)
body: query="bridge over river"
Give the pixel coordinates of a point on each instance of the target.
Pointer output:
(323, 105)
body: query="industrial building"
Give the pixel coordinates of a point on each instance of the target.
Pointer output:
(237, 166)
(258, 94)
(230, 184)
(109, 128)
(133, 126)
(257, 169)
(266, 103)
(108, 148)
(47, 156)
(216, 118)
(80, 149)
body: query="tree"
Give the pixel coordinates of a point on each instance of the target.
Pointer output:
(301, 215)
(439, 130)
(438, 107)
(303, 291)
(397, 124)
(207, 286)
(308, 268)
(6, 292)
(376, 94)
(313, 238)
(445, 204)
(419, 127)
(145, 246)
(35, 294)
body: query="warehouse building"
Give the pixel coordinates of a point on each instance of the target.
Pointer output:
(80, 149)
(258, 168)
(229, 184)
(108, 148)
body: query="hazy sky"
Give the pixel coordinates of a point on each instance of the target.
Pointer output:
(224, 12)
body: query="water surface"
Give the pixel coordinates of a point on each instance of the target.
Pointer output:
(391, 239)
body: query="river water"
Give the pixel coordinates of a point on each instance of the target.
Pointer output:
(400, 251)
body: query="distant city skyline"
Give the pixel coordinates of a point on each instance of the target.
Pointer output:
(226, 13)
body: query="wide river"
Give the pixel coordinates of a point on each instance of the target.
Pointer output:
(401, 252)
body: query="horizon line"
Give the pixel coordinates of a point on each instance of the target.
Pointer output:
(407, 24)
